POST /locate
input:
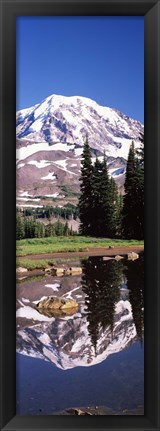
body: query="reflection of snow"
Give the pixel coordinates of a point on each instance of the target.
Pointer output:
(44, 338)
(53, 286)
(40, 299)
(31, 313)
(69, 294)
(77, 349)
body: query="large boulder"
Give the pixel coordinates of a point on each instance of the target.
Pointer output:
(55, 303)
(132, 256)
(66, 271)
(21, 270)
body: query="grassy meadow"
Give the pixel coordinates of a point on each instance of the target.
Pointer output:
(68, 244)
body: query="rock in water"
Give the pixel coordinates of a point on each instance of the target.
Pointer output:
(55, 303)
(133, 256)
(118, 257)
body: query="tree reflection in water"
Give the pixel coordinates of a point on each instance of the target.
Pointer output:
(100, 282)
(134, 272)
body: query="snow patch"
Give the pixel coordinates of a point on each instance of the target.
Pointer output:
(40, 164)
(24, 152)
(20, 165)
(27, 199)
(29, 206)
(50, 176)
(53, 195)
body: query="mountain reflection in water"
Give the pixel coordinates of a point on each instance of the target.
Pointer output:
(109, 319)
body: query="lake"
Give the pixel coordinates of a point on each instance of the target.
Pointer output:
(91, 357)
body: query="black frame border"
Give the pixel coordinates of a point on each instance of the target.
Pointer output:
(10, 9)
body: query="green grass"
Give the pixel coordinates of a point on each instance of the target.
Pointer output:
(34, 263)
(67, 244)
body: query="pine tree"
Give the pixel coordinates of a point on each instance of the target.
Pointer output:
(109, 203)
(140, 150)
(119, 215)
(113, 209)
(128, 218)
(66, 229)
(133, 209)
(20, 230)
(85, 200)
(97, 208)
(104, 191)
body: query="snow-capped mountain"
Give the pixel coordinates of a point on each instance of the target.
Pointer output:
(66, 341)
(50, 138)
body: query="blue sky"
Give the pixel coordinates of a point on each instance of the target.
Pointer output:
(97, 57)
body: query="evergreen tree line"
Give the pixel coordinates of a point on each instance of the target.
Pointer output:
(30, 228)
(69, 211)
(103, 211)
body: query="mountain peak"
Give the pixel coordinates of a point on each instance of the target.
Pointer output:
(51, 135)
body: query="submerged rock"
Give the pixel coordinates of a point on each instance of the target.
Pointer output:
(107, 258)
(118, 257)
(78, 412)
(50, 312)
(54, 303)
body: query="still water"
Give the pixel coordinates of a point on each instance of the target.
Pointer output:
(94, 357)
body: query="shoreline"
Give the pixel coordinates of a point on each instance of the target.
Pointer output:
(96, 251)
(101, 411)
(108, 253)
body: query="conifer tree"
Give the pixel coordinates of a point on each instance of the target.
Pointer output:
(128, 220)
(97, 209)
(85, 200)
(109, 200)
(133, 209)
(113, 214)
(104, 191)
(20, 231)
(119, 215)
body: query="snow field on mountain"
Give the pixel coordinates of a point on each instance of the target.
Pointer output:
(28, 199)
(23, 152)
(50, 176)
(40, 164)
